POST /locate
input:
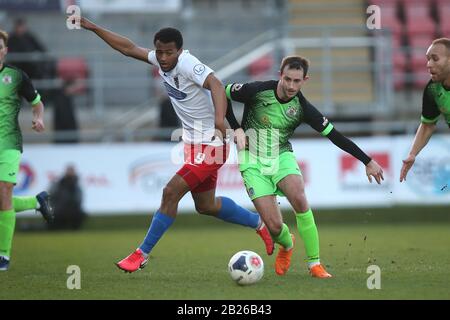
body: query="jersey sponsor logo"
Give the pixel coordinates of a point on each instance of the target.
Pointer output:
(325, 121)
(7, 79)
(292, 112)
(199, 69)
(174, 93)
(236, 87)
(265, 120)
(177, 82)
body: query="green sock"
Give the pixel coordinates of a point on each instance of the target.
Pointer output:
(24, 203)
(284, 238)
(7, 224)
(308, 232)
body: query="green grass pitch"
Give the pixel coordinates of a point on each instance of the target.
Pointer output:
(190, 262)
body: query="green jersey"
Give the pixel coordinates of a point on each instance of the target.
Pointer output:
(436, 101)
(270, 121)
(14, 84)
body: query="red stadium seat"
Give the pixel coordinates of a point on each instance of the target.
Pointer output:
(399, 60)
(261, 66)
(421, 41)
(392, 24)
(417, 11)
(72, 69)
(383, 3)
(445, 29)
(420, 26)
(418, 59)
(416, 3)
(388, 10)
(443, 14)
(421, 79)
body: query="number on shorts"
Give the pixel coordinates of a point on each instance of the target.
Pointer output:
(199, 158)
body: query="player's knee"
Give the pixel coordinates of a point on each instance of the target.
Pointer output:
(5, 197)
(274, 226)
(299, 201)
(205, 209)
(169, 195)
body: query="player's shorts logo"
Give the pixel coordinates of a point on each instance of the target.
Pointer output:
(7, 79)
(199, 69)
(251, 192)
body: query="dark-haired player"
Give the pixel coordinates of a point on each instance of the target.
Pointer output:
(272, 111)
(199, 100)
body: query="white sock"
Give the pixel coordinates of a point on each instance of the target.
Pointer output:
(144, 254)
(312, 264)
(260, 224)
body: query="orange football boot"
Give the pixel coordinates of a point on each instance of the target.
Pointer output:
(318, 271)
(283, 260)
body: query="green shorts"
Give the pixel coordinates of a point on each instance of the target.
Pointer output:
(9, 165)
(261, 175)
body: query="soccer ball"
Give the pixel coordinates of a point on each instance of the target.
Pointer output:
(246, 267)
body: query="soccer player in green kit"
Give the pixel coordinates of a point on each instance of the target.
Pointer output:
(436, 99)
(14, 84)
(272, 111)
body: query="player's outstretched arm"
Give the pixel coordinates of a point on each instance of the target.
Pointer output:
(116, 41)
(421, 139)
(38, 117)
(373, 169)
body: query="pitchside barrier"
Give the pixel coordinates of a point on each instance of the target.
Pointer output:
(129, 178)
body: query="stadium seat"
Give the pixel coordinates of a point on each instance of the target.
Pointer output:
(421, 41)
(382, 3)
(261, 66)
(420, 26)
(445, 29)
(418, 59)
(72, 69)
(421, 79)
(443, 12)
(389, 10)
(392, 24)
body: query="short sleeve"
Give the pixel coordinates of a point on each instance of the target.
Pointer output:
(194, 70)
(28, 91)
(152, 58)
(430, 111)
